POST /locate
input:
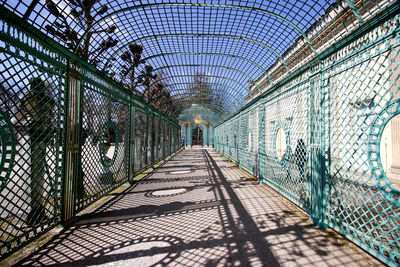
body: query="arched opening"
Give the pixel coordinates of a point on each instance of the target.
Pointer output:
(197, 136)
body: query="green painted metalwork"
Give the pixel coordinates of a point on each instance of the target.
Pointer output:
(132, 121)
(355, 10)
(107, 162)
(35, 102)
(232, 92)
(213, 54)
(204, 75)
(340, 109)
(115, 53)
(374, 143)
(292, 22)
(327, 72)
(219, 110)
(209, 66)
(7, 146)
(51, 167)
(157, 5)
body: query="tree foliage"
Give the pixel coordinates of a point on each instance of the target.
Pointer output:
(200, 89)
(84, 14)
(146, 79)
(155, 91)
(131, 60)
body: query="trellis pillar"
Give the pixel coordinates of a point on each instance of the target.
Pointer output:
(184, 132)
(210, 135)
(317, 151)
(131, 170)
(72, 162)
(189, 134)
(261, 144)
(205, 135)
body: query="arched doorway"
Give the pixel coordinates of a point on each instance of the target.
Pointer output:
(197, 136)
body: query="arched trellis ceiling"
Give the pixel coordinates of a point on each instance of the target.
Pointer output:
(203, 69)
(140, 40)
(187, 77)
(212, 5)
(230, 42)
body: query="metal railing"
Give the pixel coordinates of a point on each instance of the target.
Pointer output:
(68, 135)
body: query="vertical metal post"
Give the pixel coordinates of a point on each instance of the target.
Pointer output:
(211, 135)
(152, 136)
(261, 143)
(184, 132)
(165, 139)
(170, 139)
(187, 134)
(146, 141)
(317, 150)
(190, 134)
(205, 135)
(132, 125)
(176, 133)
(72, 158)
(240, 144)
(179, 138)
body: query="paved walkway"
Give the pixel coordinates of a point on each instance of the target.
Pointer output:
(197, 210)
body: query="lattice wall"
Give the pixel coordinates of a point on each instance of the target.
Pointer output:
(339, 107)
(67, 134)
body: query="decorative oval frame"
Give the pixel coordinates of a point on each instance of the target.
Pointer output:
(104, 160)
(374, 141)
(8, 149)
(284, 160)
(249, 140)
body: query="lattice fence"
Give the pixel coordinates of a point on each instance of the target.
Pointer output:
(328, 140)
(65, 136)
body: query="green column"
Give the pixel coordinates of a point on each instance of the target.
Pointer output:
(184, 132)
(205, 135)
(152, 136)
(131, 138)
(146, 140)
(261, 143)
(72, 170)
(164, 138)
(189, 134)
(317, 151)
(210, 135)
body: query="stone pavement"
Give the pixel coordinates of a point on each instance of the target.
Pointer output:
(197, 209)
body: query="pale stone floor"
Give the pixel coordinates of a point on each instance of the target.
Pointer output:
(197, 209)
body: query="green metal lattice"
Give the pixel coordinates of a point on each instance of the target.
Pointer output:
(340, 108)
(323, 70)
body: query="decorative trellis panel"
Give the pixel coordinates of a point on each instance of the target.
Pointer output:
(288, 111)
(104, 142)
(65, 136)
(362, 91)
(346, 110)
(140, 140)
(32, 132)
